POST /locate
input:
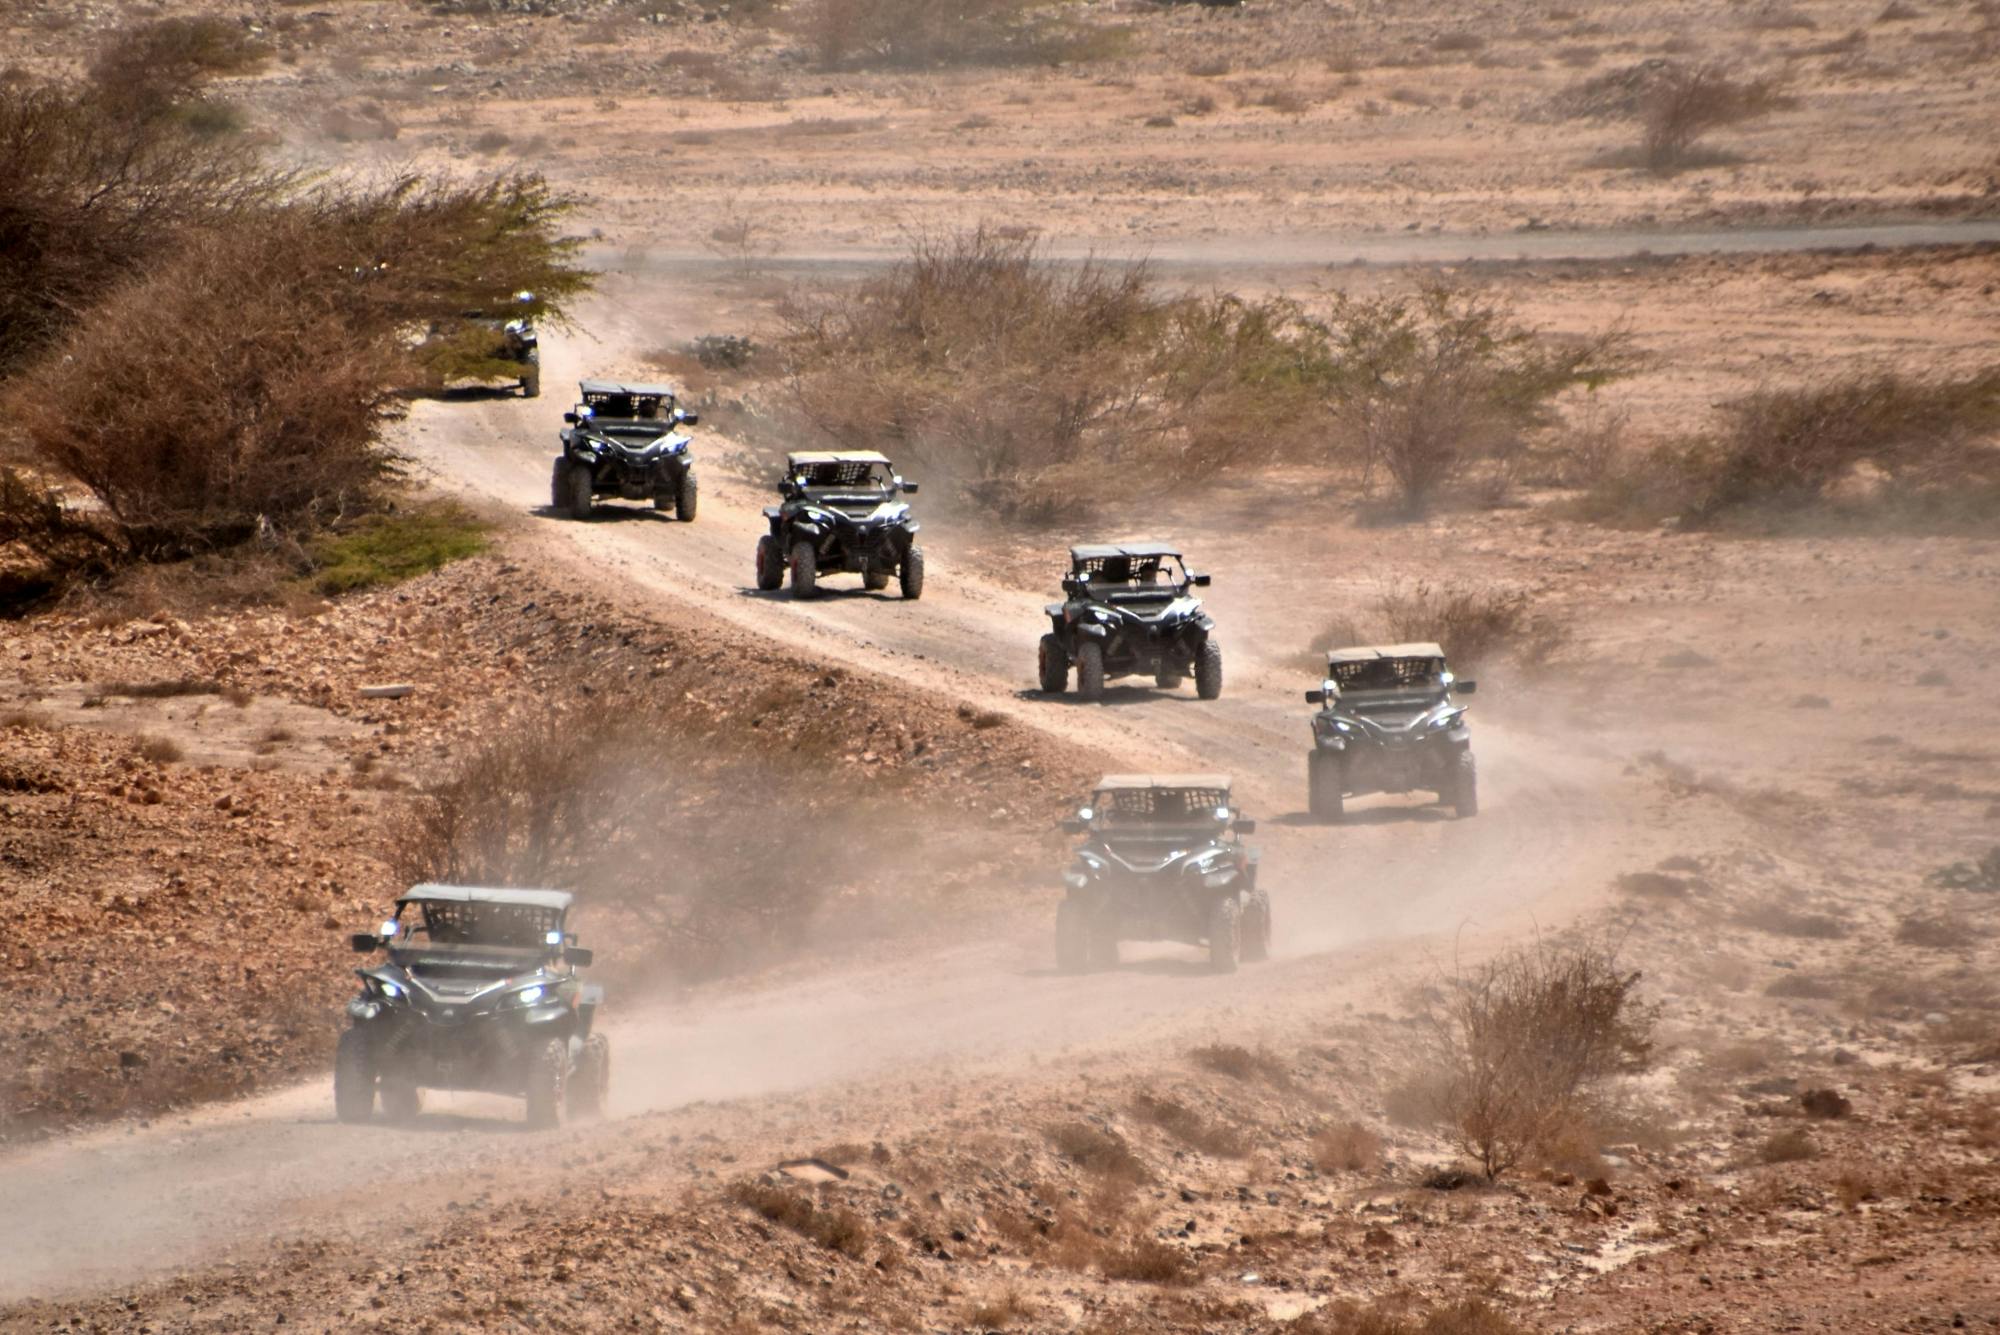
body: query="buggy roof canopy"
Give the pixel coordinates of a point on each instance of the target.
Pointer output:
(478, 894)
(1105, 551)
(1113, 782)
(1369, 653)
(806, 458)
(620, 387)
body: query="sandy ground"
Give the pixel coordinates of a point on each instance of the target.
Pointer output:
(1801, 724)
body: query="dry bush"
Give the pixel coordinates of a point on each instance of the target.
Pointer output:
(1428, 383)
(1241, 1063)
(836, 1228)
(1001, 1310)
(1789, 1146)
(1189, 1127)
(1688, 102)
(161, 750)
(1147, 1261)
(1098, 1151)
(1473, 625)
(1524, 1043)
(1347, 1147)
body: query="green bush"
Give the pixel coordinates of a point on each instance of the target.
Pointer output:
(390, 548)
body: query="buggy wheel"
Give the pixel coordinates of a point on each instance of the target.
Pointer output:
(1208, 670)
(1465, 785)
(1052, 666)
(531, 379)
(1255, 929)
(1323, 786)
(687, 496)
(580, 485)
(874, 580)
(559, 486)
(1167, 679)
(805, 569)
(401, 1099)
(1224, 926)
(1072, 937)
(770, 565)
(590, 1083)
(548, 1064)
(911, 573)
(353, 1077)
(1090, 670)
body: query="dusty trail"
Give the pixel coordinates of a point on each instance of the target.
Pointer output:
(1354, 905)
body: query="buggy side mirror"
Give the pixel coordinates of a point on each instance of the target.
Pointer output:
(687, 419)
(363, 943)
(1465, 687)
(1199, 581)
(909, 488)
(1315, 697)
(1244, 825)
(580, 956)
(570, 418)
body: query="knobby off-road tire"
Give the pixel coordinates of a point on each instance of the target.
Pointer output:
(805, 570)
(1224, 926)
(353, 1078)
(1090, 670)
(1255, 929)
(1072, 937)
(770, 564)
(687, 498)
(590, 1083)
(579, 499)
(1323, 798)
(531, 380)
(1052, 666)
(911, 573)
(1208, 670)
(559, 486)
(548, 1069)
(1465, 786)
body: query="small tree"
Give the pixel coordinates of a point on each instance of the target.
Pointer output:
(1522, 1042)
(1687, 102)
(1428, 382)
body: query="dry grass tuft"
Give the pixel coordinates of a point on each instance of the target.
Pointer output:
(1011, 1306)
(1789, 1146)
(161, 750)
(1147, 1261)
(1474, 625)
(836, 1228)
(1347, 1147)
(1189, 1127)
(1098, 1151)
(1241, 1063)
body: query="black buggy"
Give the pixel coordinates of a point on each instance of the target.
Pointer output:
(841, 512)
(1126, 610)
(620, 440)
(478, 991)
(1389, 722)
(1162, 861)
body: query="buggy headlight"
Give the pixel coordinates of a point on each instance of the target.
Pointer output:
(528, 996)
(390, 990)
(1075, 880)
(1448, 720)
(361, 1008)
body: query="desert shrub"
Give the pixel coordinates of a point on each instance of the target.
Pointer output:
(1791, 1146)
(834, 1227)
(1005, 1308)
(1429, 382)
(389, 548)
(1473, 625)
(1188, 1126)
(907, 33)
(1241, 1063)
(1346, 1147)
(1687, 102)
(161, 750)
(1147, 1261)
(1097, 1150)
(1524, 1042)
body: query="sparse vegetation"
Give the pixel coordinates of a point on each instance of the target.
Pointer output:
(1793, 1145)
(161, 750)
(1474, 626)
(913, 33)
(1347, 1147)
(1098, 1151)
(1241, 1063)
(1689, 101)
(1189, 1127)
(389, 548)
(834, 1227)
(1524, 1042)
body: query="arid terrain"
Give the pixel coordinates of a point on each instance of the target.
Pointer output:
(1760, 760)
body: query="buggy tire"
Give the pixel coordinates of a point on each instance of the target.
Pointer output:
(1072, 937)
(1090, 670)
(1254, 940)
(1464, 786)
(402, 1101)
(531, 379)
(548, 1068)
(1052, 666)
(559, 487)
(805, 569)
(1323, 798)
(1208, 670)
(770, 564)
(353, 1077)
(874, 580)
(910, 574)
(589, 1086)
(578, 498)
(687, 498)
(1225, 922)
